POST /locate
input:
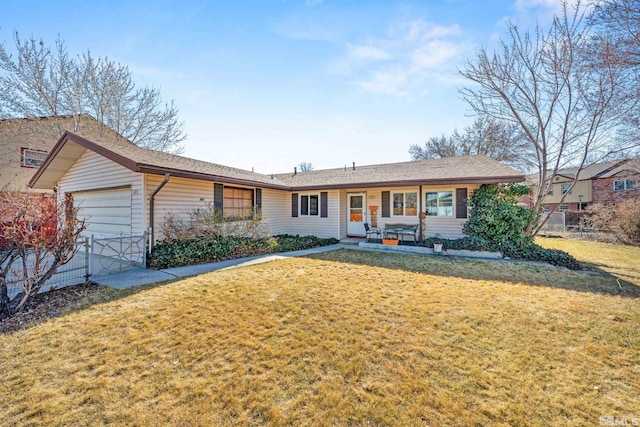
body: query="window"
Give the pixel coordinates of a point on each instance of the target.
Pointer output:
(309, 204)
(33, 158)
(565, 188)
(563, 208)
(405, 204)
(238, 203)
(439, 204)
(546, 209)
(550, 191)
(624, 184)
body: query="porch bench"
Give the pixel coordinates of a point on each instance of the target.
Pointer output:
(401, 230)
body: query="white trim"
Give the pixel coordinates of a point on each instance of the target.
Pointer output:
(355, 228)
(33, 158)
(437, 192)
(308, 196)
(625, 186)
(404, 203)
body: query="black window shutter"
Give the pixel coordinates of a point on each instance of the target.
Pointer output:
(258, 199)
(218, 199)
(461, 202)
(294, 204)
(324, 204)
(386, 204)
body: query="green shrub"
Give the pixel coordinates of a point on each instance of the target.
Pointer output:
(528, 252)
(495, 215)
(212, 248)
(469, 243)
(533, 252)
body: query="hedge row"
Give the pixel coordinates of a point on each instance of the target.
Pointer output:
(529, 252)
(179, 252)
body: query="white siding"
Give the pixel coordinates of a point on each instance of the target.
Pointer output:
(450, 227)
(178, 197)
(95, 172)
(307, 225)
(276, 211)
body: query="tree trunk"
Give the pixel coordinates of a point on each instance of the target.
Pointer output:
(5, 311)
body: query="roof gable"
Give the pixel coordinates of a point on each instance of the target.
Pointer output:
(139, 159)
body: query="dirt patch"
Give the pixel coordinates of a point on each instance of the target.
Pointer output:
(49, 304)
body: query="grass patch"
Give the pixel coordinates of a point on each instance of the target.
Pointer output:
(621, 261)
(343, 337)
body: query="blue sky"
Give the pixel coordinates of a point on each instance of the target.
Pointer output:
(270, 84)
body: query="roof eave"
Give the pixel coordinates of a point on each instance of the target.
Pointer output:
(69, 136)
(159, 170)
(403, 183)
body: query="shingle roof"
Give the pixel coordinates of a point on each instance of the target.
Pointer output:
(593, 171)
(632, 166)
(465, 169)
(139, 159)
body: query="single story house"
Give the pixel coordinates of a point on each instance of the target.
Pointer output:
(122, 188)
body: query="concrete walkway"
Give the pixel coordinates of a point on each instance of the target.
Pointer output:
(141, 276)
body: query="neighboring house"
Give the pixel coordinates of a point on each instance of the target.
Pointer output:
(25, 143)
(605, 182)
(123, 188)
(23, 148)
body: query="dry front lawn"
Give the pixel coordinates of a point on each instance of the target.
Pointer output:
(341, 338)
(619, 260)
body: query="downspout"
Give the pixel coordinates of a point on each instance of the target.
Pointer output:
(422, 222)
(151, 205)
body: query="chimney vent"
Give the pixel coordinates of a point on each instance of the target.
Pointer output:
(354, 165)
(295, 170)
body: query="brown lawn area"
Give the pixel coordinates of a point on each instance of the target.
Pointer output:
(345, 337)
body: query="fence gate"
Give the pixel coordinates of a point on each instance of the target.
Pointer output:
(115, 254)
(555, 222)
(93, 257)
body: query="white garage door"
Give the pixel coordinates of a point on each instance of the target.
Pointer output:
(107, 213)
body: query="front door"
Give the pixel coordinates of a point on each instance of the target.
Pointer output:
(356, 214)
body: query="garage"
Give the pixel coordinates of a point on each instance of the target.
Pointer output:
(107, 213)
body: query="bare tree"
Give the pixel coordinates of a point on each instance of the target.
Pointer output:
(619, 20)
(47, 82)
(36, 238)
(501, 141)
(436, 147)
(305, 167)
(616, 23)
(569, 101)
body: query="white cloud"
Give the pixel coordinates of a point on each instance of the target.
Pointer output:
(552, 5)
(434, 54)
(411, 52)
(389, 82)
(535, 12)
(420, 30)
(367, 52)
